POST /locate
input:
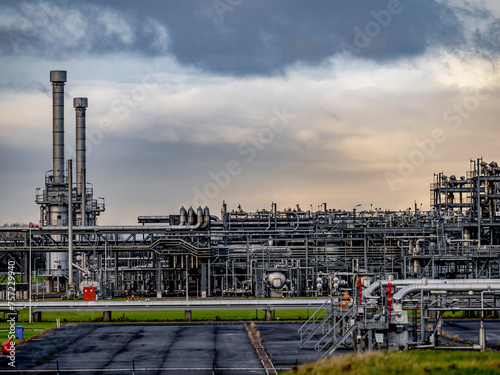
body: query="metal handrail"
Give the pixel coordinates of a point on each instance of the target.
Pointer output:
(348, 314)
(316, 327)
(314, 318)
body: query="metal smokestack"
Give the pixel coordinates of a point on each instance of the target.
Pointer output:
(81, 105)
(58, 77)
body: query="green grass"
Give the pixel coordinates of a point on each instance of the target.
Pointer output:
(29, 329)
(167, 316)
(407, 363)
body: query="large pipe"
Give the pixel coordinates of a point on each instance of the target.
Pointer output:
(406, 282)
(191, 216)
(183, 216)
(58, 77)
(199, 216)
(206, 218)
(81, 105)
(488, 285)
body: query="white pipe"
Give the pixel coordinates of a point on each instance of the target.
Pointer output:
(376, 285)
(456, 287)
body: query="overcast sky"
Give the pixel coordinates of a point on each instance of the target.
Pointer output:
(249, 101)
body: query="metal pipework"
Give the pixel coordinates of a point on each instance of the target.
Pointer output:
(58, 77)
(191, 216)
(376, 285)
(199, 216)
(183, 216)
(106, 229)
(489, 285)
(70, 223)
(81, 105)
(206, 218)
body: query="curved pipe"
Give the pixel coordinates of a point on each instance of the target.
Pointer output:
(409, 282)
(199, 215)
(376, 285)
(198, 225)
(456, 287)
(183, 216)
(190, 217)
(206, 218)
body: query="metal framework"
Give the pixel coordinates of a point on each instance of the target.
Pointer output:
(396, 314)
(237, 254)
(267, 253)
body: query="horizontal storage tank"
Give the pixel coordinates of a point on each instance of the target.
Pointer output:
(276, 280)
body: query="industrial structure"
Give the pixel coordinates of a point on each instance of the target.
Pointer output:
(396, 314)
(268, 253)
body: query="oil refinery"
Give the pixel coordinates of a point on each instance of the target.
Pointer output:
(448, 256)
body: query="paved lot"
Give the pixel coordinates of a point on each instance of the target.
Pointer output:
(469, 330)
(114, 346)
(281, 342)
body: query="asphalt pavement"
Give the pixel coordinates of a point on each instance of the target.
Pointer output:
(182, 348)
(469, 330)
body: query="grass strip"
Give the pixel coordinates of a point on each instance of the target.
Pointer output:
(408, 363)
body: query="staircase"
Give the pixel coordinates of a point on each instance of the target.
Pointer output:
(318, 323)
(339, 332)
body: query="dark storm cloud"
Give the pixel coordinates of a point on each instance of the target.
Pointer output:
(258, 37)
(62, 29)
(240, 37)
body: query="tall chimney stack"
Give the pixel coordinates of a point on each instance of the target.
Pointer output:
(58, 77)
(81, 105)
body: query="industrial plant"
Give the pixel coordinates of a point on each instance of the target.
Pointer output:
(376, 267)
